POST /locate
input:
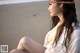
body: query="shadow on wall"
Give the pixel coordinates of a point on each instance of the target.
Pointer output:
(18, 20)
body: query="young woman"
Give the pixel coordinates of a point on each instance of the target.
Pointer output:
(64, 36)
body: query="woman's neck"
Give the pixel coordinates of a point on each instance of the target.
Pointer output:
(61, 19)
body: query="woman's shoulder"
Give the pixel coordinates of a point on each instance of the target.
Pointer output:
(76, 31)
(77, 27)
(75, 39)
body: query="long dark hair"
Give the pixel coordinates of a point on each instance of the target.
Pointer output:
(69, 14)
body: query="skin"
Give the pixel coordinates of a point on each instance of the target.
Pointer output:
(27, 45)
(55, 10)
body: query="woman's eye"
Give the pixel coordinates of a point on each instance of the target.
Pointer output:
(50, 4)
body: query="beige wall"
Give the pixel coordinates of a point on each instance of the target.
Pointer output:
(18, 20)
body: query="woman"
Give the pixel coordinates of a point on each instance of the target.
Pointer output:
(64, 36)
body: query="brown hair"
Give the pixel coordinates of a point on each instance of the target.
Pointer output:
(69, 14)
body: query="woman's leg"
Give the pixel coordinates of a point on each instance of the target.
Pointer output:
(18, 51)
(30, 45)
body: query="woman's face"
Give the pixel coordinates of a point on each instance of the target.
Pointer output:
(54, 8)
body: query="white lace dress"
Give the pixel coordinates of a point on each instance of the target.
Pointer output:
(74, 46)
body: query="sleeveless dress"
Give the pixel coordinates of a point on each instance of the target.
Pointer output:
(74, 45)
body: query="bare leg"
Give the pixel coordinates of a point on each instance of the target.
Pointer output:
(30, 45)
(18, 51)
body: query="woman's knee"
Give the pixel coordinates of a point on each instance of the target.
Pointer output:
(24, 40)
